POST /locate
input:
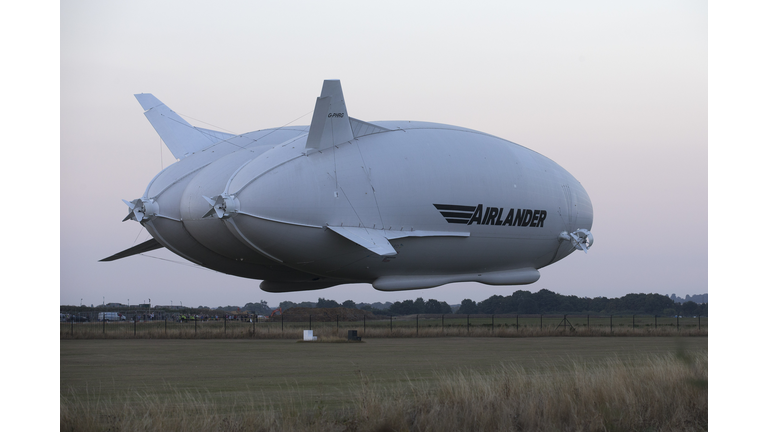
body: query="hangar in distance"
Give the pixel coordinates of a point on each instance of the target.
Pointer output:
(397, 204)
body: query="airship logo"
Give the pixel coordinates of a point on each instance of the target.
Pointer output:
(467, 215)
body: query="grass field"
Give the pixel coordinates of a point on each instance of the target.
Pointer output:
(102, 381)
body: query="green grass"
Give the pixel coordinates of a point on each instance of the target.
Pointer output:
(283, 369)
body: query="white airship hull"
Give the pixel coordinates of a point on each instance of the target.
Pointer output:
(400, 205)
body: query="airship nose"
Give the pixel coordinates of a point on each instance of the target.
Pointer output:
(584, 208)
(582, 238)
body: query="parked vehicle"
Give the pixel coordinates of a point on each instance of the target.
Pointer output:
(111, 316)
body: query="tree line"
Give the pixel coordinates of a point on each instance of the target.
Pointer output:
(520, 302)
(548, 302)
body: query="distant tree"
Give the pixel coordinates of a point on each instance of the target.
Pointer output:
(528, 306)
(518, 297)
(382, 306)
(491, 305)
(547, 301)
(703, 309)
(259, 308)
(433, 307)
(349, 304)
(445, 308)
(598, 304)
(285, 305)
(323, 303)
(404, 307)
(668, 312)
(468, 306)
(419, 305)
(689, 308)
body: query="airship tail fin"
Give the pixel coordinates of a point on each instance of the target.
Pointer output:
(330, 122)
(181, 138)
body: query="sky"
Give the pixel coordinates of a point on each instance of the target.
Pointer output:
(635, 100)
(614, 92)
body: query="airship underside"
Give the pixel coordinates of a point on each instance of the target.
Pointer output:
(398, 204)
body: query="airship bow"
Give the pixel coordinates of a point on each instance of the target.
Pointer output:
(398, 204)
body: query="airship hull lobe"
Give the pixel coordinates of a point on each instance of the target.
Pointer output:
(385, 182)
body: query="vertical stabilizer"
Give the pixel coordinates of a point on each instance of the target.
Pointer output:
(330, 121)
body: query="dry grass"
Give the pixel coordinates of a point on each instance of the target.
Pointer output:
(663, 393)
(660, 393)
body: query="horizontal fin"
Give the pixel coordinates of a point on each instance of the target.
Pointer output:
(371, 239)
(377, 241)
(181, 138)
(147, 246)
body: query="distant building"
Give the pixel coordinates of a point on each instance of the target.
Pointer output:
(115, 305)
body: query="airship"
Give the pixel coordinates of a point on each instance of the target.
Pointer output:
(400, 205)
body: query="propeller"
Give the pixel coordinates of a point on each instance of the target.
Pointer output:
(223, 206)
(141, 209)
(581, 239)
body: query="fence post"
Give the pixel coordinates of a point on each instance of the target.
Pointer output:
(633, 323)
(467, 323)
(587, 322)
(654, 322)
(678, 322)
(337, 325)
(225, 323)
(442, 322)
(541, 321)
(165, 320)
(517, 322)
(363, 325)
(492, 323)
(255, 318)
(281, 323)
(72, 331)
(134, 326)
(310, 322)
(195, 325)
(390, 323)
(104, 326)
(611, 323)
(417, 324)
(699, 322)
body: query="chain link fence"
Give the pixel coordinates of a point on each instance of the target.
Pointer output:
(146, 324)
